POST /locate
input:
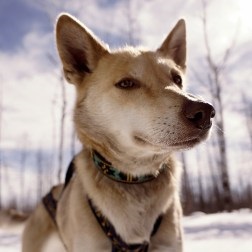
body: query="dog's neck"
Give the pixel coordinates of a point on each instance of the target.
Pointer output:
(115, 174)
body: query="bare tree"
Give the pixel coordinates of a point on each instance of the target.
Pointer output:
(1, 122)
(214, 178)
(130, 21)
(133, 29)
(247, 104)
(188, 196)
(23, 160)
(200, 182)
(63, 106)
(62, 125)
(39, 159)
(215, 83)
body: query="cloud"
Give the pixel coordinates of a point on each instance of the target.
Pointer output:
(31, 91)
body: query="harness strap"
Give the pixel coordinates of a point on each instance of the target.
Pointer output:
(118, 245)
(50, 202)
(51, 205)
(157, 225)
(69, 174)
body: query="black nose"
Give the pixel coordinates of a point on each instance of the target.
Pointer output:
(199, 113)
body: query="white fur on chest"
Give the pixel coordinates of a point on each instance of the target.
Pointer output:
(132, 209)
(53, 243)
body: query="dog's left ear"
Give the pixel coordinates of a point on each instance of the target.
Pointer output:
(174, 46)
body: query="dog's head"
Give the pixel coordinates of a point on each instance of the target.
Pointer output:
(131, 100)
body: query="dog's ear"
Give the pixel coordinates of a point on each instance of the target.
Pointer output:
(174, 46)
(78, 48)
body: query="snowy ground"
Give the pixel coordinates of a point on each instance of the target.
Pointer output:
(203, 233)
(219, 232)
(10, 240)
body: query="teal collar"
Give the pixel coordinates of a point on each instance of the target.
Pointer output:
(111, 172)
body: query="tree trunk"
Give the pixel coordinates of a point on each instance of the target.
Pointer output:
(1, 122)
(216, 86)
(62, 126)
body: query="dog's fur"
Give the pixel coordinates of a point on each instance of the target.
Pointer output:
(131, 107)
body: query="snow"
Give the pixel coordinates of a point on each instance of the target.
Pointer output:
(223, 232)
(231, 232)
(10, 238)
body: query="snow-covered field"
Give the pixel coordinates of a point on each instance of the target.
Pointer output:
(10, 238)
(222, 232)
(203, 233)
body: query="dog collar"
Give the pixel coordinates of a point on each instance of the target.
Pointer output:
(111, 172)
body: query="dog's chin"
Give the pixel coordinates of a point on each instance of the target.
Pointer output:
(183, 144)
(188, 144)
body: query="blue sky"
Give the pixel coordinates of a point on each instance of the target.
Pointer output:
(17, 18)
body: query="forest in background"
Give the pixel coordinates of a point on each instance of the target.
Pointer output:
(210, 186)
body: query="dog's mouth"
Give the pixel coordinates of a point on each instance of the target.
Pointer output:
(140, 140)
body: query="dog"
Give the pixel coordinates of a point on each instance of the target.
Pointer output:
(131, 115)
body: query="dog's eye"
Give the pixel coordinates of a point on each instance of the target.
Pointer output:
(177, 79)
(127, 84)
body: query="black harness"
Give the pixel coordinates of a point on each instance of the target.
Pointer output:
(50, 202)
(118, 245)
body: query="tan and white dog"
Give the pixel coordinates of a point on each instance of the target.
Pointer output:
(131, 115)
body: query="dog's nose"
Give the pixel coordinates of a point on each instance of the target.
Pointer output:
(199, 113)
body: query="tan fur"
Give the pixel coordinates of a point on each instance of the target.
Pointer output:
(136, 129)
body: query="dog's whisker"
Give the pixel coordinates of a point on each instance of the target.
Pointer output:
(218, 128)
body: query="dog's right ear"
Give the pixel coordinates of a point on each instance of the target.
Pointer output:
(174, 46)
(78, 48)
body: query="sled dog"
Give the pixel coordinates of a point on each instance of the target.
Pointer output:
(132, 114)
